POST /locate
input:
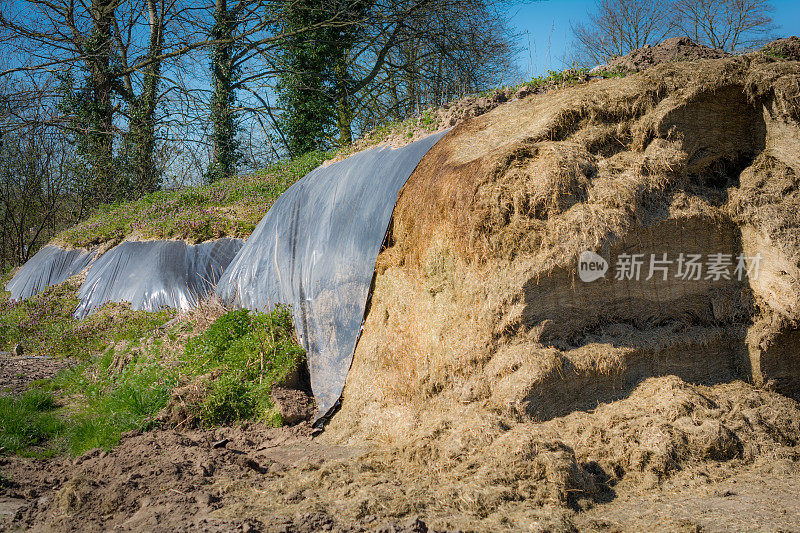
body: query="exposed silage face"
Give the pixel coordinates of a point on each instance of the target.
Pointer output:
(479, 300)
(316, 250)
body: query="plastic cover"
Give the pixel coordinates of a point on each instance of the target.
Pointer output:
(50, 266)
(316, 250)
(153, 275)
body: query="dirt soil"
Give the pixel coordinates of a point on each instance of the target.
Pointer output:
(675, 49)
(673, 457)
(17, 373)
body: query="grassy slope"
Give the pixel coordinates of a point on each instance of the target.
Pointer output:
(228, 208)
(127, 364)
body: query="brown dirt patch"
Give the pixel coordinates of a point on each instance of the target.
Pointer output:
(17, 373)
(667, 51)
(160, 481)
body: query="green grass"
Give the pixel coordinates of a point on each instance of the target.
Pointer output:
(106, 403)
(102, 404)
(228, 208)
(240, 357)
(28, 421)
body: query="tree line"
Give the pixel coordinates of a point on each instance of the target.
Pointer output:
(616, 27)
(106, 100)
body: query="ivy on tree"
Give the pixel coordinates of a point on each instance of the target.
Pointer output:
(313, 84)
(226, 155)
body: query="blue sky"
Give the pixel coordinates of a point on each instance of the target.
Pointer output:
(547, 24)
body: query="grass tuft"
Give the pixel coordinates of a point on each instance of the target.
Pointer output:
(28, 420)
(247, 353)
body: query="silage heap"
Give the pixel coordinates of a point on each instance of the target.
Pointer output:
(478, 310)
(315, 250)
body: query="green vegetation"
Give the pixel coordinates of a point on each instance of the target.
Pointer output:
(128, 374)
(308, 78)
(44, 325)
(247, 354)
(611, 73)
(106, 401)
(571, 76)
(776, 51)
(226, 76)
(27, 421)
(230, 207)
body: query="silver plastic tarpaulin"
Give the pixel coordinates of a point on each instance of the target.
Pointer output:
(154, 275)
(315, 250)
(50, 266)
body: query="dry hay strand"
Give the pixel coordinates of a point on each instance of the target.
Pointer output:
(499, 474)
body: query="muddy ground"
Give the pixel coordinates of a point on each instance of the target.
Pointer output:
(253, 478)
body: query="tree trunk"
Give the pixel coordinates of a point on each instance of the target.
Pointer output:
(145, 178)
(224, 131)
(104, 182)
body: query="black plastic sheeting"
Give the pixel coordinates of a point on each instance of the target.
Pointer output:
(315, 250)
(154, 275)
(50, 266)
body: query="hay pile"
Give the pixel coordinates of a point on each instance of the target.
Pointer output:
(482, 336)
(472, 470)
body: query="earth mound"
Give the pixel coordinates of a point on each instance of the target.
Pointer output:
(669, 50)
(788, 48)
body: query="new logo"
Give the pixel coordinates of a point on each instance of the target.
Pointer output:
(591, 267)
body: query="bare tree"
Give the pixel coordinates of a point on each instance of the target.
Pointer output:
(36, 179)
(730, 25)
(619, 26)
(142, 86)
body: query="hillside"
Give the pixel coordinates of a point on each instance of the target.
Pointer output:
(585, 316)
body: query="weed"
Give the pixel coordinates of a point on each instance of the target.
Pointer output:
(775, 52)
(428, 120)
(108, 402)
(44, 324)
(610, 73)
(247, 353)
